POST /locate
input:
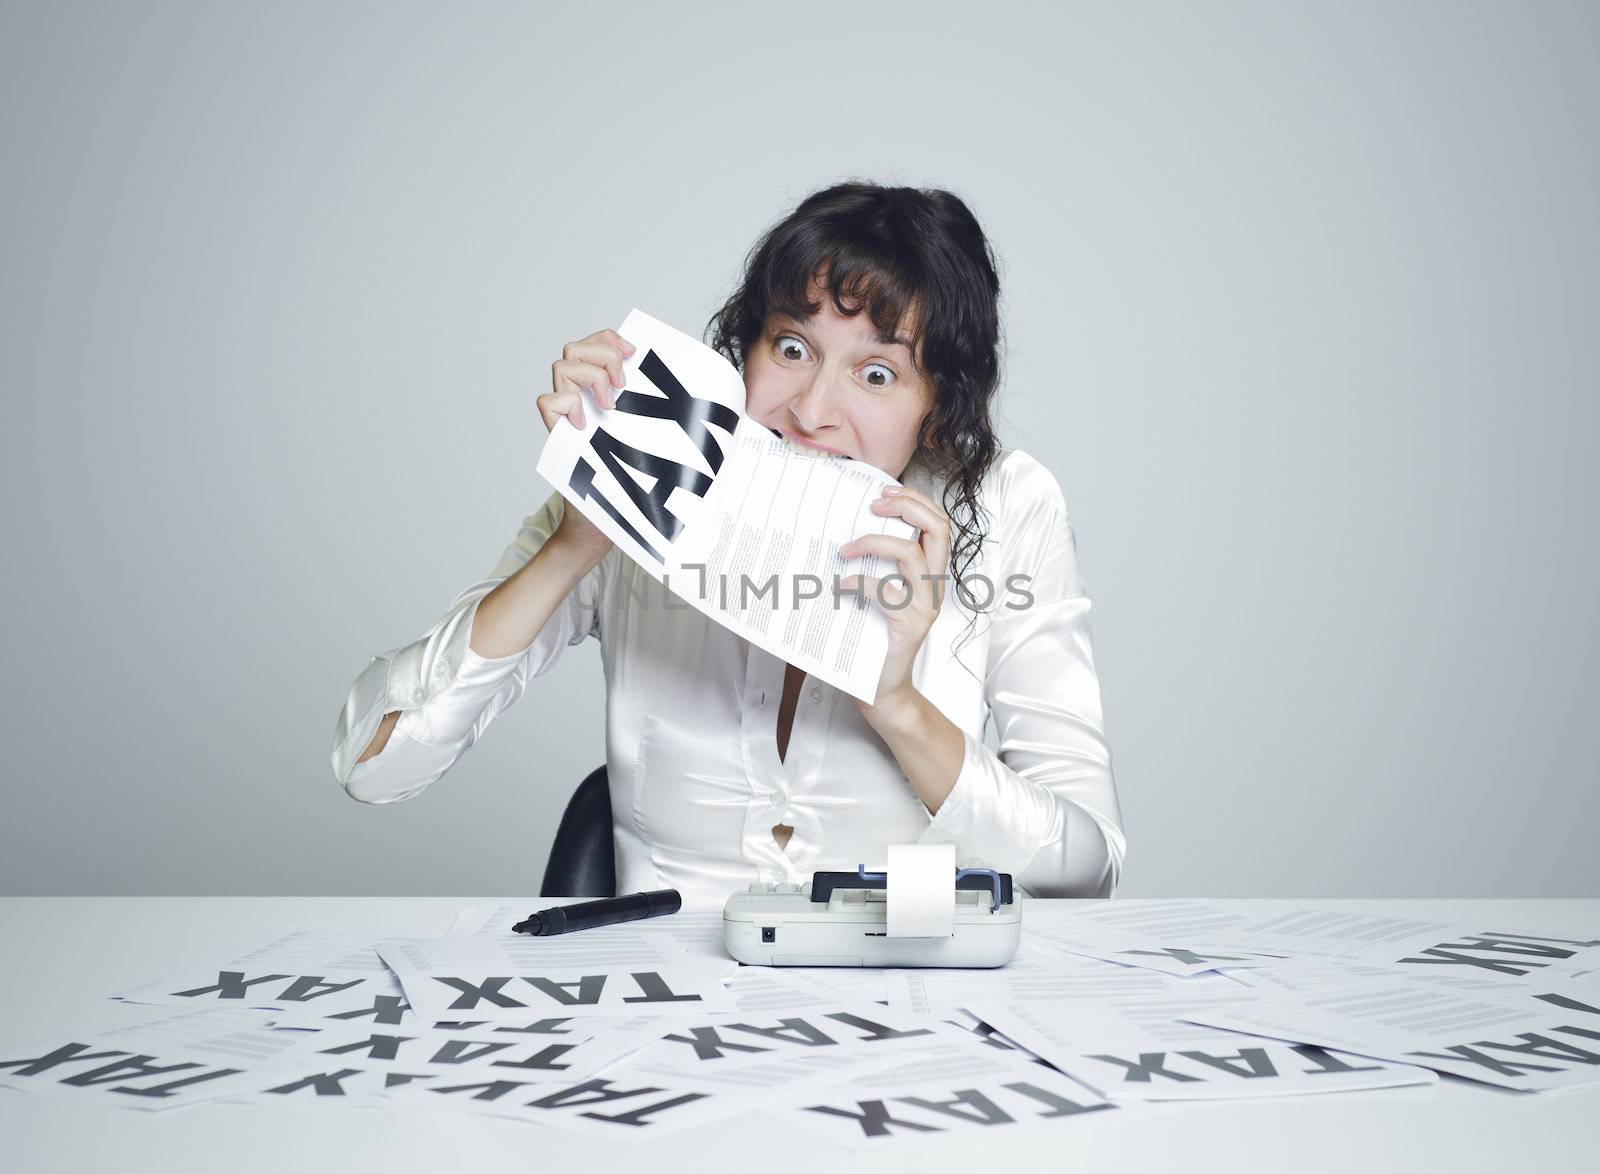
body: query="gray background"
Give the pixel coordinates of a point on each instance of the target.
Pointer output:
(1293, 298)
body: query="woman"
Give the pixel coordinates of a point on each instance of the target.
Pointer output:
(866, 324)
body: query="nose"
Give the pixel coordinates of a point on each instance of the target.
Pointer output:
(816, 408)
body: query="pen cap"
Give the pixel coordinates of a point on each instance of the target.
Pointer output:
(664, 900)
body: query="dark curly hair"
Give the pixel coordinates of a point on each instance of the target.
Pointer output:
(890, 250)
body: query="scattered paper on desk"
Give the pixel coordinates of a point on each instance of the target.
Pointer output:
(947, 1091)
(608, 947)
(647, 1027)
(384, 1005)
(300, 973)
(1030, 978)
(463, 921)
(1549, 1039)
(364, 1069)
(1188, 937)
(1183, 961)
(613, 971)
(738, 522)
(639, 1100)
(1184, 919)
(164, 1061)
(836, 1030)
(982, 1033)
(328, 1085)
(1162, 936)
(756, 989)
(858, 984)
(1426, 947)
(1321, 974)
(1122, 1061)
(696, 932)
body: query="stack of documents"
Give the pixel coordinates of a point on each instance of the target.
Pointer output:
(1110, 1012)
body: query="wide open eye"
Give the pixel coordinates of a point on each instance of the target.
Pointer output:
(788, 344)
(877, 375)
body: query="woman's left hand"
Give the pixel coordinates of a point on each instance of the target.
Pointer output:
(912, 601)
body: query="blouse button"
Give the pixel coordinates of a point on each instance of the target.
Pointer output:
(416, 694)
(816, 694)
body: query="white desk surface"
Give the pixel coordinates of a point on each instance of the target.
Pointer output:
(47, 987)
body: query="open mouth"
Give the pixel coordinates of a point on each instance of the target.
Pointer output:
(803, 443)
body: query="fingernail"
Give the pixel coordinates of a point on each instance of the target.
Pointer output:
(891, 489)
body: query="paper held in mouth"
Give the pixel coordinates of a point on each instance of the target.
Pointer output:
(734, 520)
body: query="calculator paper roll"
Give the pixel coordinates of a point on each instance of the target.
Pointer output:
(921, 890)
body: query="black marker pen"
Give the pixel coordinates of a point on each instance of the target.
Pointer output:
(607, 911)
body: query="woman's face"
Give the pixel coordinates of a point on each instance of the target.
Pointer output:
(830, 382)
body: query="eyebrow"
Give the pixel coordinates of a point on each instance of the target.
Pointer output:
(882, 337)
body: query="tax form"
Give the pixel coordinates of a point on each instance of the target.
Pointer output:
(731, 518)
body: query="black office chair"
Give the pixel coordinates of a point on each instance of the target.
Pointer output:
(582, 860)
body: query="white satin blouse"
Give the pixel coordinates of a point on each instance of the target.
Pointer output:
(692, 712)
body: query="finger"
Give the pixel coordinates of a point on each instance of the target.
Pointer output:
(594, 376)
(932, 521)
(906, 493)
(612, 338)
(908, 558)
(916, 511)
(891, 595)
(572, 375)
(899, 549)
(570, 405)
(606, 349)
(915, 494)
(554, 405)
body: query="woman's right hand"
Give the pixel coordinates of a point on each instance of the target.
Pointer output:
(594, 362)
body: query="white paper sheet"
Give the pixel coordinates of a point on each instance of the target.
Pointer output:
(982, 1033)
(1154, 954)
(856, 984)
(1182, 919)
(1323, 976)
(948, 1090)
(612, 971)
(758, 989)
(708, 501)
(1030, 977)
(793, 1032)
(1423, 947)
(303, 975)
(639, 1101)
(383, 1006)
(1160, 936)
(920, 890)
(696, 931)
(1547, 1040)
(164, 1061)
(362, 1069)
(1120, 1059)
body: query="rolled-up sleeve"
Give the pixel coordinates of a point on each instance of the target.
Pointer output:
(445, 692)
(1044, 807)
